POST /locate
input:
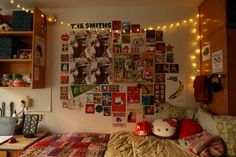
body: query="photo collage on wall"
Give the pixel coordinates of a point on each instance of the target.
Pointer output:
(119, 73)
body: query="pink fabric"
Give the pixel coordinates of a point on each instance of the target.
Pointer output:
(203, 144)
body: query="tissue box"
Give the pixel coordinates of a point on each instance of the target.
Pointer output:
(22, 21)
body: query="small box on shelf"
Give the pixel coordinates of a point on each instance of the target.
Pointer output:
(22, 21)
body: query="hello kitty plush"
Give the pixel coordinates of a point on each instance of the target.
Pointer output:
(165, 128)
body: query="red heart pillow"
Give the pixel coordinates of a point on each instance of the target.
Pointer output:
(188, 127)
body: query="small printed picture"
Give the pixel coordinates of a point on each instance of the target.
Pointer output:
(97, 89)
(97, 98)
(147, 89)
(150, 47)
(114, 88)
(160, 78)
(174, 68)
(64, 68)
(126, 27)
(135, 28)
(117, 48)
(126, 48)
(159, 35)
(170, 57)
(119, 119)
(64, 79)
(64, 93)
(89, 97)
(160, 47)
(147, 100)
(104, 88)
(90, 108)
(106, 99)
(148, 110)
(72, 104)
(125, 39)
(116, 37)
(64, 57)
(160, 58)
(116, 25)
(150, 36)
(107, 111)
(162, 68)
(65, 103)
(99, 108)
(169, 48)
(131, 115)
(65, 47)
(118, 102)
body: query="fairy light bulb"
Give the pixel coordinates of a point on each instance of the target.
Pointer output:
(23, 9)
(31, 11)
(61, 22)
(197, 51)
(12, 1)
(177, 24)
(194, 65)
(194, 30)
(145, 29)
(193, 57)
(192, 78)
(158, 27)
(185, 21)
(18, 5)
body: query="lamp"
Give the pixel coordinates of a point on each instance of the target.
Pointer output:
(51, 19)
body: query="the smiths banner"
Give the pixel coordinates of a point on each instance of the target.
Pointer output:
(91, 25)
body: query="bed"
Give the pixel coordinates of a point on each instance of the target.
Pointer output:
(119, 144)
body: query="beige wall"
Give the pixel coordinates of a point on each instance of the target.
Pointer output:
(63, 120)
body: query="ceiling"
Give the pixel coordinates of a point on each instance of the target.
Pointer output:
(5, 4)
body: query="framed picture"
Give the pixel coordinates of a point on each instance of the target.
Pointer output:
(30, 125)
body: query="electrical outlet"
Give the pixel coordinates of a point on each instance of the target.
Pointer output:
(27, 102)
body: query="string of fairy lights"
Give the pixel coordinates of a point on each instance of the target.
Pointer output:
(194, 56)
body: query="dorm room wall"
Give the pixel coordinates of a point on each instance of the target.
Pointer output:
(63, 120)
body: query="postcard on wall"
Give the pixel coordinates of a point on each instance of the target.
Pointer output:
(106, 99)
(65, 47)
(160, 58)
(97, 98)
(150, 36)
(72, 104)
(170, 57)
(116, 25)
(131, 115)
(147, 89)
(126, 27)
(217, 61)
(40, 54)
(90, 108)
(147, 100)
(135, 28)
(64, 57)
(107, 111)
(126, 48)
(159, 35)
(125, 39)
(206, 53)
(119, 119)
(160, 78)
(118, 102)
(116, 37)
(114, 88)
(175, 89)
(64, 92)
(65, 103)
(148, 110)
(64, 68)
(89, 97)
(174, 68)
(160, 48)
(64, 79)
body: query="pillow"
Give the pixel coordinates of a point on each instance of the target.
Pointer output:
(165, 128)
(168, 110)
(223, 126)
(143, 128)
(188, 127)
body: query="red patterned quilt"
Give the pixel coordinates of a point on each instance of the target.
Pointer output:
(69, 145)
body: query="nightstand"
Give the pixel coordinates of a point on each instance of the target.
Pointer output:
(12, 149)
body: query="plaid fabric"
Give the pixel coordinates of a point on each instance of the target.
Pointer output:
(69, 145)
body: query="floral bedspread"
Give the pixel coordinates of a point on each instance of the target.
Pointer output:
(69, 145)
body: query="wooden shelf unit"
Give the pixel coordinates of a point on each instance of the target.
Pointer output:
(29, 38)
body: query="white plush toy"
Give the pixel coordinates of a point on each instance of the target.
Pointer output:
(165, 128)
(5, 26)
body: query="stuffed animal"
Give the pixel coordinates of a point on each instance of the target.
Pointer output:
(165, 128)
(5, 26)
(143, 128)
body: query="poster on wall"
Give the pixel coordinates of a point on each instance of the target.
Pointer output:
(40, 46)
(91, 57)
(175, 89)
(206, 53)
(217, 61)
(119, 119)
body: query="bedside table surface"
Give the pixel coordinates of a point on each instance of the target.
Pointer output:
(22, 142)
